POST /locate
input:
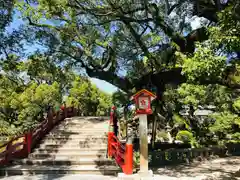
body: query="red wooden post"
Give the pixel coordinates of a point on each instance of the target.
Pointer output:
(128, 158)
(74, 111)
(110, 137)
(111, 131)
(8, 152)
(50, 119)
(28, 143)
(57, 116)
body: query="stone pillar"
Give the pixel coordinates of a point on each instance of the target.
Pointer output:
(143, 144)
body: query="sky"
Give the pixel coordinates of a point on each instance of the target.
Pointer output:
(103, 85)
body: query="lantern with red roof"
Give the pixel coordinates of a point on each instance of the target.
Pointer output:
(143, 101)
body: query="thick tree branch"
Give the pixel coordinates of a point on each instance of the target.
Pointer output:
(174, 76)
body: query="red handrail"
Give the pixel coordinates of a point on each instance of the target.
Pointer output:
(22, 145)
(122, 153)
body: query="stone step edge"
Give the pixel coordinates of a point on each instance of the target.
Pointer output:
(82, 160)
(69, 153)
(79, 143)
(75, 139)
(60, 167)
(51, 145)
(70, 149)
(45, 155)
(79, 151)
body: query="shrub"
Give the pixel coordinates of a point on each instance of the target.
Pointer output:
(186, 137)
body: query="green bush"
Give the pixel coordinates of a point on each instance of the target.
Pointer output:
(161, 135)
(186, 137)
(136, 159)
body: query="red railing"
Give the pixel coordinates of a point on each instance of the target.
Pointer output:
(21, 146)
(121, 152)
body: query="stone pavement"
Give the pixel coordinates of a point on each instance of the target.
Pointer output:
(217, 169)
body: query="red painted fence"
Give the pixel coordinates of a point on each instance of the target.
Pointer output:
(21, 146)
(121, 152)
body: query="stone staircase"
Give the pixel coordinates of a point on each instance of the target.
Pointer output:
(77, 146)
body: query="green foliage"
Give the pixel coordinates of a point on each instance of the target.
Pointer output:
(136, 159)
(162, 136)
(186, 137)
(32, 102)
(89, 99)
(191, 94)
(227, 33)
(226, 127)
(120, 98)
(223, 123)
(236, 105)
(179, 121)
(205, 64)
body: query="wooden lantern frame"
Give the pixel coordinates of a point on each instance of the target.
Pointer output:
(148, 96)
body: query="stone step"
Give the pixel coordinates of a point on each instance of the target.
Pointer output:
(67, 150)
(77, 132)
(72, 145)
(76, 138)
(76, 142)
(69, 154)
(85, 123)
(65, 161)
(77, 169)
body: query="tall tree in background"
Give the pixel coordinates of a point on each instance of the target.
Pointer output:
(110, 37)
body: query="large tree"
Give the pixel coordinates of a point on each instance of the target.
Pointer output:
(109, 38)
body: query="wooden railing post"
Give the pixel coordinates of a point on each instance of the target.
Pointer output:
(8, 152)
(110, 132)
(127, 167)
(128, 158)
(28, 143)
(74, 111)
(50, 118)
(110, 137)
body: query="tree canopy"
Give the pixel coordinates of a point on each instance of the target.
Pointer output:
(130, 43)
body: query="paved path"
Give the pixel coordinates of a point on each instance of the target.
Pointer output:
(219, 169)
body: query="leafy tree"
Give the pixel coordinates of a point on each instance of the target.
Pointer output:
(141, 38)
(88, 98)
(28, 107)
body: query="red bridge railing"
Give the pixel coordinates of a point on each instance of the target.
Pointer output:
(121, 152)
(22, 145)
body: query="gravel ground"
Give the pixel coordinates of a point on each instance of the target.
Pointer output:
(218, 169)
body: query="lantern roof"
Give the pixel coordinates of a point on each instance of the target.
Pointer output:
(144, 92)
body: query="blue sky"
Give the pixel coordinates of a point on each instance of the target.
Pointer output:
(103, 85)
